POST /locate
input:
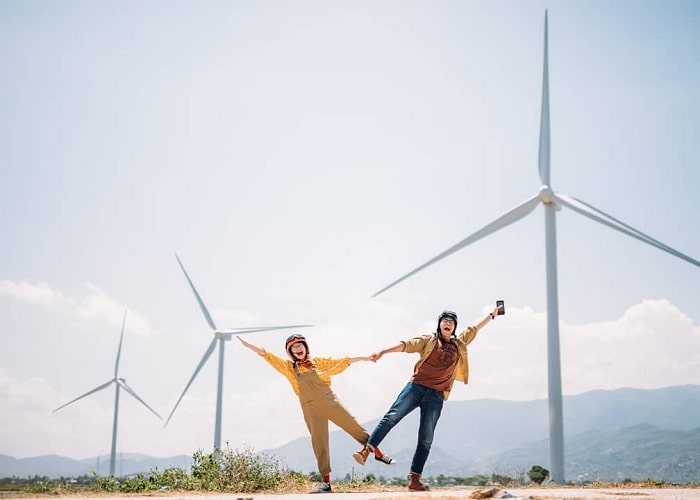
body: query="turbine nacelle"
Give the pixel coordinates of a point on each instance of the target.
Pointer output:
(547, 196)
(223, 335)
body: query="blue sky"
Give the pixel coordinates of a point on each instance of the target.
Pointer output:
(300, 156)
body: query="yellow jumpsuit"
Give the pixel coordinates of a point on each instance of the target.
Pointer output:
(319, 403)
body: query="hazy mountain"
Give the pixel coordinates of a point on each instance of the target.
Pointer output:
(479, 437)
(55, 466)
(624, 433)
(46, 465)
(639, 452)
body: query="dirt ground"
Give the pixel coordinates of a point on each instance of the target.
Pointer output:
(512, 494)
(545, 493)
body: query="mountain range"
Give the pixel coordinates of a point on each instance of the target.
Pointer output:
(56, 466)
(609, 435)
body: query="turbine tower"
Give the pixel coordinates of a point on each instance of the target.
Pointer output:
(552, 202)
(220, 336)
(119, 383)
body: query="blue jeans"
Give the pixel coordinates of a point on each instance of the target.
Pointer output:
(411, 397)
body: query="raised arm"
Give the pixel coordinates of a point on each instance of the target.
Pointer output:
(489, 317)
(250, 346)
(396, 348)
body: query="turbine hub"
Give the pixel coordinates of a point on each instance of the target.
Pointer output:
(546, 194)
(548, 197)
(222, 335)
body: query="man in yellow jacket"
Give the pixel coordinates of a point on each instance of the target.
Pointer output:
(443, 358)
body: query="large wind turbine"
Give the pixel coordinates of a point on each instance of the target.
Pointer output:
(552, 202)
(120, 383)
(220, 336)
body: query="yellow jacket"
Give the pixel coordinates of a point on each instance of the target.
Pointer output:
(325, 368)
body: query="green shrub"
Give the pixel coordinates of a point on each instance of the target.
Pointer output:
(138, 484)
(106, 484)
(538, 474)
(241, 471)
(173, 479)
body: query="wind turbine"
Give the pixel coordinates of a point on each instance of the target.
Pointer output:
(552, 202)
(220, 336)
(120, 383)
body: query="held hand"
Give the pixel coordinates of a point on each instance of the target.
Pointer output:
(498, 311)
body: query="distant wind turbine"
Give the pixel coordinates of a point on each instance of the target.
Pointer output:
(220, 336)
(552, 202)
(120, 383)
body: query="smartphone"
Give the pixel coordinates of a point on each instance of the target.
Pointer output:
(501, 307)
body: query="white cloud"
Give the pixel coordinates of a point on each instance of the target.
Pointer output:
(40, 293)
(96, 305)
(652, 344)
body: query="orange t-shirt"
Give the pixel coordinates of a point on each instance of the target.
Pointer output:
(437, 370)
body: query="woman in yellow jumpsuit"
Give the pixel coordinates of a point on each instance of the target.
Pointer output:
(310, 379)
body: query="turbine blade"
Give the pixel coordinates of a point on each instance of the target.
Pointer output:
(238, 331)
(543, 159)
(119, 351)
(586, 206)
(128, 389)
(599, 216)
(509, 217)
(96, 389)
(210, 349)
(199, 299)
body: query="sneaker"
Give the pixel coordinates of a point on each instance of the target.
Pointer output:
(324, 488)
(381, 457)
(361, 456)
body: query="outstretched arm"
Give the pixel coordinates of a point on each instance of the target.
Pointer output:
(396, 348)
(360, 358)
(250, 346)
(489, 317)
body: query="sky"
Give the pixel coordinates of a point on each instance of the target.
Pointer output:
(300, 156)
